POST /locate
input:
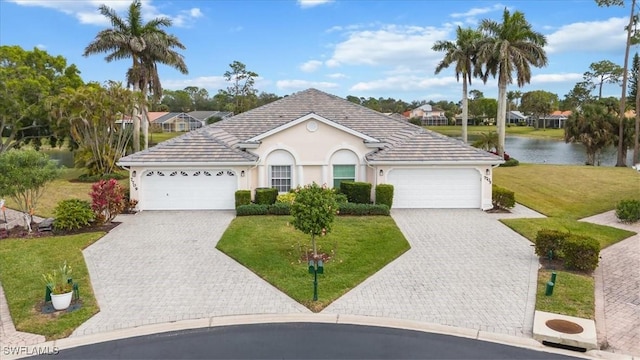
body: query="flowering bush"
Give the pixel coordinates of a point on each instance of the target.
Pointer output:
(107, 200)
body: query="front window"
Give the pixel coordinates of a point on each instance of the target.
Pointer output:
(343, 173)
(281, 177)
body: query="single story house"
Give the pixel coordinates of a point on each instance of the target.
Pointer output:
(176, 122)
(310, 136)
(555, 120)
(205, 115)
(516, 118)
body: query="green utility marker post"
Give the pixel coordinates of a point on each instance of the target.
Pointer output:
(316, 267)
(549, 290)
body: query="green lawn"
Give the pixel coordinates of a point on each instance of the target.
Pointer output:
(573, 294)
(22, 263)
(566, 194)
(273, 249)
(156, 138)
(528, 131)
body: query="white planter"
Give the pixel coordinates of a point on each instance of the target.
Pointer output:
(61, 301)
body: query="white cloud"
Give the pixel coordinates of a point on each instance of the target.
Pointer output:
(87, 11)
(478, 11)
(41, 47)
(207, 82)
(404, 83)
(312, 3)
(390, 45)
(591, 36)
(304, 84)
(311, 66)
(337, 76)
(556, 78)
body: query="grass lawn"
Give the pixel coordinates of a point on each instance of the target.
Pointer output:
(569, 191)
(22, 263)
(573, 294)
(528, 131)
(273, 249)
(61, 189)
(156, 138)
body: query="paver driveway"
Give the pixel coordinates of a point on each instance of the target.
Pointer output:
(464, 269)
(160, 266)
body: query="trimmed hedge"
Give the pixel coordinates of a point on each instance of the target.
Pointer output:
(357, 192)
(384, 194)
(363, 209)
(243, 197)
(628, 211)
(266, 196)
(502, 198)
(287, 198)
(95, 178)
(72, 214)
(550, 240)
(581, 253)
(510, 162)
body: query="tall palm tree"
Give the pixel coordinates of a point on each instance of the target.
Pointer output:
(462, 53)
(146, 44)
(510, 46)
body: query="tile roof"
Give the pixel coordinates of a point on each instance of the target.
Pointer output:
(204, 115)
(218, 142)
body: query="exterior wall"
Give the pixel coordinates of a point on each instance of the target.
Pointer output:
(312, 154)
(486, 174)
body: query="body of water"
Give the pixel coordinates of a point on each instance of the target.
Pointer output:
(546, 151)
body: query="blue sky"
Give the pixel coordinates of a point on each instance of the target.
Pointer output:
(344, 47)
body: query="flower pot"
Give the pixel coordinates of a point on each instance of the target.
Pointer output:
(61, 301)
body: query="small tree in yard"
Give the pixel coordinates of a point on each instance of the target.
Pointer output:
(23, 176)
(107, 200)
(313, 211)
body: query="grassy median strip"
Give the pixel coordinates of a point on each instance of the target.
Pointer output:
(22, 263)
(270, 247)
(573, 294)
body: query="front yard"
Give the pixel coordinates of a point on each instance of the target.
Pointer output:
(270, 247)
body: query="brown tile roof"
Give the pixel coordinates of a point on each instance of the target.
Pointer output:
(218, 142)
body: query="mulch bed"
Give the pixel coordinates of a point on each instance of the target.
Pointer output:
(20, 232)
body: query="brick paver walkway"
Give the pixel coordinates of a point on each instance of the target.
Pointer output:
(464, 269)
(9, 337)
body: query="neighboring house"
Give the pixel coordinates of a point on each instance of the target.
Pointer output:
(554, 120)
(430, 115)
(176, 122)
(206, 115)
(517, 118)
(153, 115)
(310, 136)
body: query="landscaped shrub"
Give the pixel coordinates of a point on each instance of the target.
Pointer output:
(384, 194)
(581, 253)
(357, 192)
(340, 198)
(72, 214)
(252, 209)
(510, 162)
(107, 200)
(363, 209)
(243, 197)
(287, 198)
(266, 196)
(628, 211)
(279, 208)
(95, 178)
(502, 198)
(550, 241)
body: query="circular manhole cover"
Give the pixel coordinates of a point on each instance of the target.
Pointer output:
(564, 326)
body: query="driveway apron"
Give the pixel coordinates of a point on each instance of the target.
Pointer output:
(464, 269)
(160, 266)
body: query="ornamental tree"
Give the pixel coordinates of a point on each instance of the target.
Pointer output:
(107, 200)
(23, 176)
(313, 211)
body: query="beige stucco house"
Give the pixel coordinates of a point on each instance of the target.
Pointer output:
(310, 136)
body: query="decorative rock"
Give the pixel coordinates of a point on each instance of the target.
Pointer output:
(46, 224)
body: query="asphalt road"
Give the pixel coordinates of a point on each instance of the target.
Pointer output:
(300, 341)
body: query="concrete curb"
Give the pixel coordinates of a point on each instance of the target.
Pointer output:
(54, 346)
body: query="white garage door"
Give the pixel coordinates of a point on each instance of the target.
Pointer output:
(188, 189)
(435, 188)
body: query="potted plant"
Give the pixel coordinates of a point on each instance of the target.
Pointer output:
(59, 283)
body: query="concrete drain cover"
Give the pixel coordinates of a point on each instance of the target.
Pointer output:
(564, 326)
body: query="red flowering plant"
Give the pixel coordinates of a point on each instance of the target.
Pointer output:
(107, 200)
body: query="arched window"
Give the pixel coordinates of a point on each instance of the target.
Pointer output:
(344, 167)
(280, 168)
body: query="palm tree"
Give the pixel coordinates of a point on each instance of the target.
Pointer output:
(146, 45)
(593, 126)
(462, 53)
(510, 46)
